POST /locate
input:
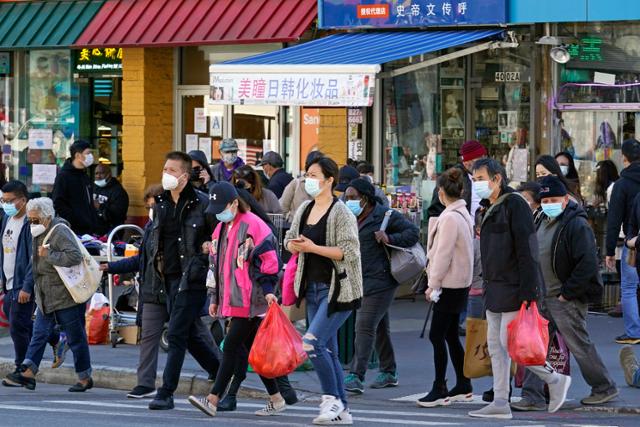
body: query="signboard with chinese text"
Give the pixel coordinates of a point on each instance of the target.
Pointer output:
(98, 60)
(323, 90)
(410, 13)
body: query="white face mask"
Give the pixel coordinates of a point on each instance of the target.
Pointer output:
(169, 182)
(37, 229)
(88, 160)
(564, 169)
(101, 183)
(151, 214)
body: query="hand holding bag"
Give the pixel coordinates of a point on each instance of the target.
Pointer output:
(81, 280)
(528, 337)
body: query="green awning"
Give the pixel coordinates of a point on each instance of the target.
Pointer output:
(44, 24)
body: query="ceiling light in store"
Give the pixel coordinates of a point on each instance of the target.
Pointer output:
(560, 54)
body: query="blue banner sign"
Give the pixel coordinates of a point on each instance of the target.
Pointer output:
(410, 13)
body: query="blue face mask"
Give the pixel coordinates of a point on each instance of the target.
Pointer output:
(225, 216)
(10, 209)
(354, 206)
(482, 189)
(101, 183)
(552, 210)
(312, 186)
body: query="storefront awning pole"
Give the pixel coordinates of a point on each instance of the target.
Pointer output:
(448, 57)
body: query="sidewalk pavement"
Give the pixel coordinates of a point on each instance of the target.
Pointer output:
(115, 367)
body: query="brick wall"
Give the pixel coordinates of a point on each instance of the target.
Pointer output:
(147, 109)
(332, 134)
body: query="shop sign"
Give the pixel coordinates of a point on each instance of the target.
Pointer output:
(324, 90)
(507, 76)
(588, 50)
(98, 59)
(410, 13)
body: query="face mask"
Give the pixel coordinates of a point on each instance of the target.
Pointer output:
(229, 158)
(101, 183)
(37, 229)
(169, 182)
(552, 210)
(482, 189)
(10, 209)
(564, 169)
(225, 216)
(354, 206)
(151, 214)
(312, 186)
(88, 160)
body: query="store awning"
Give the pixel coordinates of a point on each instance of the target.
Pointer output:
(195, 22)
(338, 70)
(38, 24)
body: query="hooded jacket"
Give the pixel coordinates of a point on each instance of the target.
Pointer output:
(574, 257)
(509, 252)
(114, 203)
(201, 158)
(73, 199)
(621, 205)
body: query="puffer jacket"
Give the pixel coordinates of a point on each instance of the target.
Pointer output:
(245, 265)
(51, 293)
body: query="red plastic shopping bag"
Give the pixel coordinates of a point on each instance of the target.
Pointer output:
(528, 337)
(97, 325)
(288, 280)
(277, 348)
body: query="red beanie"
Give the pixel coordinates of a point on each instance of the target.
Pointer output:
(472, 150)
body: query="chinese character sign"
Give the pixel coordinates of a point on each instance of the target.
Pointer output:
(98, 59)
(410, 13)
(326, 90)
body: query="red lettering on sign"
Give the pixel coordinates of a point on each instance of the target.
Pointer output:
(369, 11)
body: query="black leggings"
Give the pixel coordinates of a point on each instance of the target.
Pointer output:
(237, 344)
(444, 328)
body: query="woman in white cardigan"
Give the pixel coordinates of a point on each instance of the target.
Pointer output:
(450, 272)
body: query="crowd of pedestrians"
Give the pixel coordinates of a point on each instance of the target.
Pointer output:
(210, 247)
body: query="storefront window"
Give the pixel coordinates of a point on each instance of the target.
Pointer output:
(255, 128)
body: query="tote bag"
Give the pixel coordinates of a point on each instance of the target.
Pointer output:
(81, 280)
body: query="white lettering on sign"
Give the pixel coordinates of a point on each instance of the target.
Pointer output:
(508, 76)
(311, 120)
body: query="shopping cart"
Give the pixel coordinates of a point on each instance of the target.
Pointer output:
(118, 319)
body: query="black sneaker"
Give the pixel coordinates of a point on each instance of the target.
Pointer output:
(438, 396)
(625, 339)
(228, 404)
(461, 393)
(9, 380)
(16, 377)
(140, 392)
(161, 403)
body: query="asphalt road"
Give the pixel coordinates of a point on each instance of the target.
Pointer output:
(53, 406)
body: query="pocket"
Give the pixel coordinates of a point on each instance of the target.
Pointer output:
(240, 288)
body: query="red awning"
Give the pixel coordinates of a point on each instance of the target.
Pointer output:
(197, 22)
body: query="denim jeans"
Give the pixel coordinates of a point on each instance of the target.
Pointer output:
(571, 320)
(20, 323)
(321, 340)
(72, 323)
(372, 329)
(475, 307)
(629, 298)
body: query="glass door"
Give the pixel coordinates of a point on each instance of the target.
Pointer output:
(199, 126)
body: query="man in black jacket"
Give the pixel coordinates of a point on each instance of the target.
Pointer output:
(372, 320)
(110, 200)
(72, 192)
(620, 212)
(569, 264)
(179, 264)
(510, 270)
(272, 164)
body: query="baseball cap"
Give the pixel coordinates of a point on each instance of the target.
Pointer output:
(220, 195)
(271, 158)
(228, 145)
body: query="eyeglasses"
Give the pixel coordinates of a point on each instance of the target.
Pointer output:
(34, 221)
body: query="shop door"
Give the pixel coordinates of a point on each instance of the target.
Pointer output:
(106, 123)
(200, 126)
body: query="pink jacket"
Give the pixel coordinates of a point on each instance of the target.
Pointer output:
(450, 248)
(245, 265)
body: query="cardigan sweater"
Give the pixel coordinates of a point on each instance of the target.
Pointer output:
(345, 289)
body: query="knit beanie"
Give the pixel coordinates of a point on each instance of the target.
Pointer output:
(472, 150)
(551, 186)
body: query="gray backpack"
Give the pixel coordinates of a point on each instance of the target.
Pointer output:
(406, 263)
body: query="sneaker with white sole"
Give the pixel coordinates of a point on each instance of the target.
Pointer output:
(344, 419)
(558, 393)
(141, 392)
(272, 408)
(204, 405)
(330, 409)
(492, 410)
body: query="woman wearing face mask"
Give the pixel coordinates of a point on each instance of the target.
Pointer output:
(324, 233)
(568, 169)
(249, 177)
(245, 268)
(379, 286)
(450, 271)
(546, 165)
(55, 304)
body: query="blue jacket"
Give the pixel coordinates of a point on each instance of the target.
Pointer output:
(23, 274)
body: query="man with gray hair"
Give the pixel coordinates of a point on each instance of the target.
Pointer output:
(272, 164)
(229, 162)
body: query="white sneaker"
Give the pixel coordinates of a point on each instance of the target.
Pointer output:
(330, 409)
(493, 411)
(558, 393)
(343, 419)
(272, 408)
(204, 405)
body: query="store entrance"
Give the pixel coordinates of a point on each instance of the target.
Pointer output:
(106, 123)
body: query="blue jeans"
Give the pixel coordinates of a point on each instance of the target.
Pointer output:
(628, 289)
(71, 321)
(321, 340)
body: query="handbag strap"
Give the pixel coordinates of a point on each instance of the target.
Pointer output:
(46, 238)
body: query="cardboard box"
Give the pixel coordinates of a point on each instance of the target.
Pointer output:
(130, 334)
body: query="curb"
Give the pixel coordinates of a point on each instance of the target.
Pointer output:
(124, 379)
(622, 410)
